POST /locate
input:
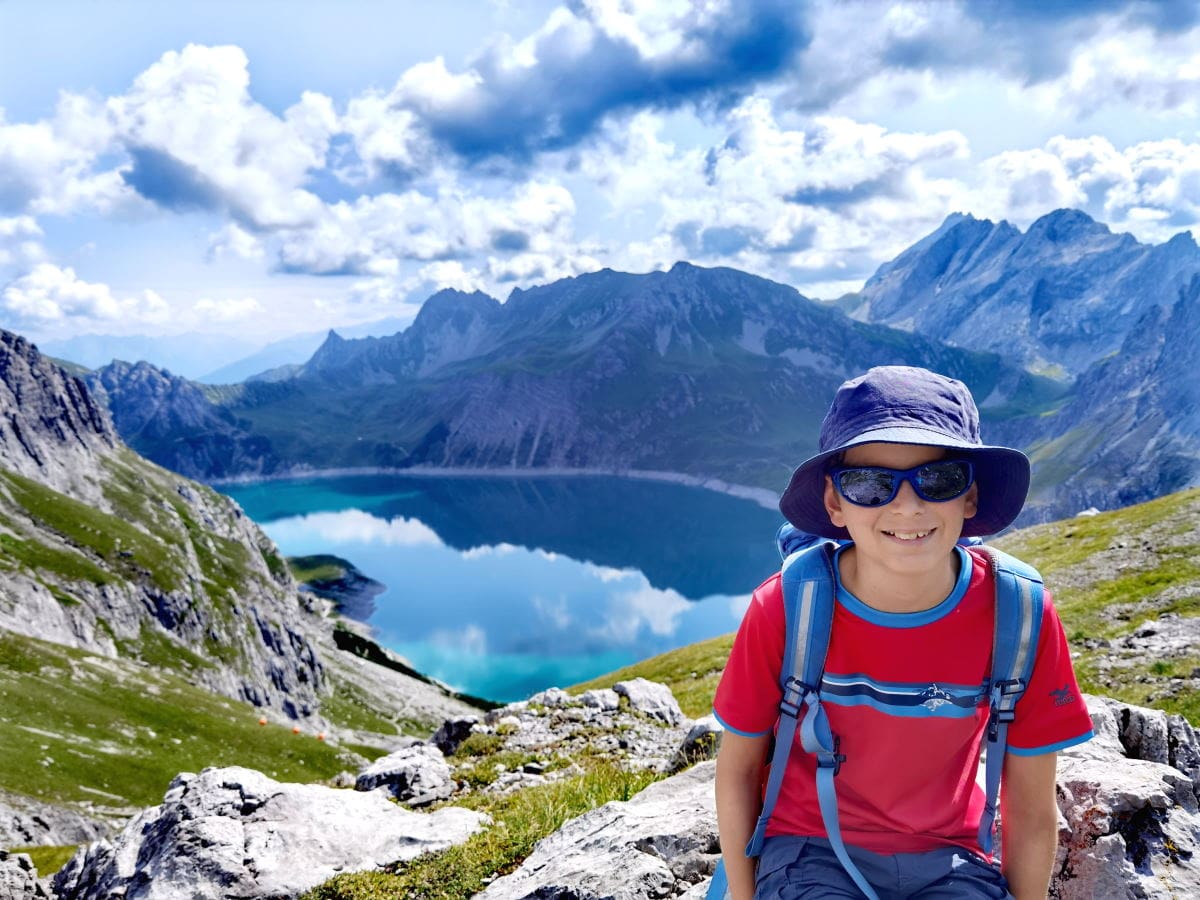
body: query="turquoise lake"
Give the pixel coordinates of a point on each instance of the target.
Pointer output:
(501, 587)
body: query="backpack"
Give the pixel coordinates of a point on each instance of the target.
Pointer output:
(808, 582)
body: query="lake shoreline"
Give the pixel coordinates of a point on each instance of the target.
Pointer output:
(763, 497)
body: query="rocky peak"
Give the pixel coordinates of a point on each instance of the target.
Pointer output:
(51, 428)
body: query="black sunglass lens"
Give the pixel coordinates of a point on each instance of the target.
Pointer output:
(943, 481)
(867, 487)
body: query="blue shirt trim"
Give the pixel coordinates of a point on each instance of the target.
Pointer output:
(1051, 748)
(906, 620)
(728, 727)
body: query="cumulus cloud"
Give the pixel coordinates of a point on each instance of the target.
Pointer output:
(371, 234)
(48, 167)
(819, 200)
(21, 242)
(1151, 188)
(553, 88)
(50, 294)
(236, 242)
(197, 140)
(1139, 68)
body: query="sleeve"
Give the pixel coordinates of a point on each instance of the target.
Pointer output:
(1051, 714)
(748, 695)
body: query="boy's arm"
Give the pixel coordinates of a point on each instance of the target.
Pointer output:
(1029, 819)
(740, 764)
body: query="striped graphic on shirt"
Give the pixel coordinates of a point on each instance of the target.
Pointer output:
(937, 699)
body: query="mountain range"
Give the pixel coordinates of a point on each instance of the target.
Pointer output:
(721, 374)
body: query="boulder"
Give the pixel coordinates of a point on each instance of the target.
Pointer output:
(18, 878)
(1130, 811)
(452, 733)
(660, 843)
(702, 742)
(233, 833)
(415, 775)
(653, 699)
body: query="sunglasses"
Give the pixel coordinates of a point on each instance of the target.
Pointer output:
(936, 482)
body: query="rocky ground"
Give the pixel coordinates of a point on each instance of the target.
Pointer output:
(1129, 803)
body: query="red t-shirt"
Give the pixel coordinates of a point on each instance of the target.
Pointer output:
(904, 692)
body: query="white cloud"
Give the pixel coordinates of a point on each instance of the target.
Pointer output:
(198, 140)
(227, 310)
(47, 167)
(50, 294)
(356, 526)
(234, 241)
(1142, 68)
(21, 242)
(452, 223)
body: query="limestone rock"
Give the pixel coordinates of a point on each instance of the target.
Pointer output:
(416, 776)
(18, 878)
(661, 843)
(1130, 808)
(235, 833)
(701, 743)
(25, 822)
(653, 699)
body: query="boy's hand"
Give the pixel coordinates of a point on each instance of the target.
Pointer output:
(1029, 820)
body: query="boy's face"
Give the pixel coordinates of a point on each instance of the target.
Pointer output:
(908, 535)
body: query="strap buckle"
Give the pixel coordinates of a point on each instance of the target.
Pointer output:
(793, 686)
(832, 760)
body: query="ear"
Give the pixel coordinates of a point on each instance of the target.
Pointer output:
(833, 504)
(971, 502)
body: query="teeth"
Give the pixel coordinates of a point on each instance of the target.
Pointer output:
(908, 535)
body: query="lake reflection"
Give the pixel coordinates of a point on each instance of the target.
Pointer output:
(503, 587)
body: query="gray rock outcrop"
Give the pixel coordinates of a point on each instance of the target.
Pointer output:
(51, 428)
(235, 833)
(660, 843)
(1128, 798)
(416, 776)
(25, 822)
(18, 878)
(651, 698)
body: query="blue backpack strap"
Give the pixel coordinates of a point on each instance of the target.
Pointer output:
(718, 888)
(1020, 597)
(808, 586)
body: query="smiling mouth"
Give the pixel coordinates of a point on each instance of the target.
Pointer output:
(909, 535)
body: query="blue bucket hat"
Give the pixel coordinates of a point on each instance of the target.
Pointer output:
(907, 405)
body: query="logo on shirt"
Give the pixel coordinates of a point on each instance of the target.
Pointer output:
(1063, 696)
(934, 697)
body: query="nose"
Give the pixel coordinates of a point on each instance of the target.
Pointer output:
(906, 498)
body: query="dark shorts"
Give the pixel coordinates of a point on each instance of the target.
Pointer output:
(800, 868)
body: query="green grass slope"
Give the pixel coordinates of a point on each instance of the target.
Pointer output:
(80, 728)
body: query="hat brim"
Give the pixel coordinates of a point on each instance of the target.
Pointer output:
(1002, 474)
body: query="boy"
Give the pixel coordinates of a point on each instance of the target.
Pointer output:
(901, 476)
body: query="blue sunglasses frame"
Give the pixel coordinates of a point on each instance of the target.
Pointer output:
(913, 476)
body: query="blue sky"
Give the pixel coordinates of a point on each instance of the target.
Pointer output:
(264, 169)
